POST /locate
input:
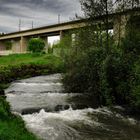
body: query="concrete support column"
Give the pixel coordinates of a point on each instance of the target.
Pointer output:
(46, 43)
(23, 45)
(61, 35)
(119, 28)
(16, 46)
(45, 39)
(2, 46)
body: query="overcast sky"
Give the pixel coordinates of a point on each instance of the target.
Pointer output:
(41, 12)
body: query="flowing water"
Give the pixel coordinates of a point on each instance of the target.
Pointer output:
(52, 114)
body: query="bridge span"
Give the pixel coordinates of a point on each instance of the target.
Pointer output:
(19, 40)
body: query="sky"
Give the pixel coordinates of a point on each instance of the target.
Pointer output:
(40, 12)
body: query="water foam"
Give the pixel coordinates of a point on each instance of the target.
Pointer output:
(66, 115)
(51, 126)
(39, 84)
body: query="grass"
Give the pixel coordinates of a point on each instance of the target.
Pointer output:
(12, 127)
(10, 130)
(15, 67)
(19, 66)
(16, 59)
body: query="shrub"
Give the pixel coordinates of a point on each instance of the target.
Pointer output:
(135, 85)
(4, 109)
(36, 45)
(111, 75)
(64, 45)
(97, 73)
(50, 50)
(8, 45)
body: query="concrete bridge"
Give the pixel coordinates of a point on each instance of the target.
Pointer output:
(117, 22)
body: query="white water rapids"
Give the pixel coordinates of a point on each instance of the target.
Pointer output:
(49, 113)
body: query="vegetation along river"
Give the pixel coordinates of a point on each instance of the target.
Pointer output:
(52, 114)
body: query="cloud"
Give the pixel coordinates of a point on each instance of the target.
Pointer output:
(42, 12)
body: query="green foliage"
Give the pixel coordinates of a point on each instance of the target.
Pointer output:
(111, 77)
(8, 45)
(135, 85)
(36, 45)
(17, 59)
(57, 45)
(62, 47)
(66, 41)
(91, 72)
(50, 50)
(93, 8)
(4, 109)
(12, 127)
(116, 72)
(84, 64)
(28, 65)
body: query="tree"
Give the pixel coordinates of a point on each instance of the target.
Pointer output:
(122, 5)
(94, 8)
(36, 45)
(97, 8)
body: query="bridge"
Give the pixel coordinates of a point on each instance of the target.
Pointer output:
(19, 40)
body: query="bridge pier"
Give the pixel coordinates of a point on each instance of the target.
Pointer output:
(2, 46)
(121, 25)
(61, 35)
(45, 39)
(23, 45)
(119, 28)
(16, 45)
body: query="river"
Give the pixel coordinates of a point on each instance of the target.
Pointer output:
(52, 114)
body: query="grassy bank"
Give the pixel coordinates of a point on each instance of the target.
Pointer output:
(12, 127)
(19, 66)
(14, 67)
(16, 59)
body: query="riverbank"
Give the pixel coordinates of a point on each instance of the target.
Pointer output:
(12, 127)
(15, 67)
(20, 66)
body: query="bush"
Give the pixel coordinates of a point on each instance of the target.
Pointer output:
(11, 73)
(61, 48)
(50, 50)
(28, 65)
(8, 45)
(84, 64)
(36, 45)
(111, 77)
(96, 73)
(4, 109)
(135, 85)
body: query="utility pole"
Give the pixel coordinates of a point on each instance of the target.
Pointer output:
(19, 24)
(58, 18)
